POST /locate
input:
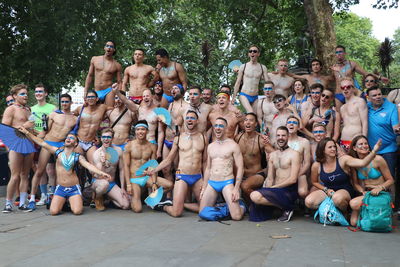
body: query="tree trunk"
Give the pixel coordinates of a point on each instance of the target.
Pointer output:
(321, 27)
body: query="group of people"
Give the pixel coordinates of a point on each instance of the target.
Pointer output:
(307, 137)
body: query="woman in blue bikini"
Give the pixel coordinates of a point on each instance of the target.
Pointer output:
(375, 177)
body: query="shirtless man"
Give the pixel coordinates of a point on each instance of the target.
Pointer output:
(158, 93)
(190, 145)
(207, 96)
(248, 80)
(90, 119)
(315, 76)
(60, 123)
(283, 82)
(104, 69)
(201, 108)
(222, 155)
(222, 110)
(280, 118)
(301, 145)
(20, 163)
(253, 150)
(344, 68)
(313, 102)
(266, 109)
(137, 152)
(138, 77)
(9, 100)
(280, 187)
(171, 73)
(68, 187)
(107, 158)
(354, 114)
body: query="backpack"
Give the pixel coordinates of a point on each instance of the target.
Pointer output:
(376, 213)
(329, 214)
(215, 213)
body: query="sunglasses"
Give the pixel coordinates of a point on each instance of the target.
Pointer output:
(318, 132)
(39, 92)
(70, 137)
(325, 96)
(278, 100)
(315, 93)
(109, 46)
(219, 126)
(91, 97)
(65, 102)
(253, 51)
(370, 81)
(346, 87)
(190, 118)
(22, 94)
(292, 122)
(267, 88)
(106, 137)
(9, 102)
(339, 52)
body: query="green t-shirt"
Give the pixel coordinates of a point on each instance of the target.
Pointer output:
(38, 111)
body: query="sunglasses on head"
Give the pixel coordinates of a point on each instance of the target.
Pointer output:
(346, 87)
(9, 102)
(106, 137)
(65, 102)
(253, 51)
(278, 100)
(318, 132)
(219, 126)
(109, 46)
(22, 94)
(267, 88)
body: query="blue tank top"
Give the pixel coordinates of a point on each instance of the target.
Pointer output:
(335, 180)
(297, 103)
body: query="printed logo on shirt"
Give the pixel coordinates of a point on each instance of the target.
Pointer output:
(383, 114)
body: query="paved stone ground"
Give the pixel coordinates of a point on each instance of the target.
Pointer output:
(122, 238)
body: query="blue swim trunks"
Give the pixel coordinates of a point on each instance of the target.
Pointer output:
(168, 143)
(169, 98)
(251, 98)
(219, 185)
(110, 185)
(141, 181)
(103, 93)
(56, 144)
(67, 192)
(121, 146)
(190, 179)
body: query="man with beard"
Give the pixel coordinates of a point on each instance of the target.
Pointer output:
(253, 150)
(207, 96)
(266, 109)
(137, 152)
(107, 158)
(219, 177)
(158, 93)
(171, 73)
(280, 187)
(68, 187)
(201, 109)
(138, 77)
(248, 80)
(60, 123)
(190, 145)
(308, 107)
(283, 82)
(315, 76)
(104, 69)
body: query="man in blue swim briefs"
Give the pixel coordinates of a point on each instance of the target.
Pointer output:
(104, 69)
(190, 145)
(68, 187)
(248, 80)
(107, 158)
(60, 123)
(137, 152)
(222, 155)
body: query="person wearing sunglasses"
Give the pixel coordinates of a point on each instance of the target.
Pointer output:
(266, 109)
(170, 73)
(20, 159)
(139, 76)
(280, 118)
(104, 70)
(248, 80)
(108, 158)
(222, 155)
(354, 114)
(283, 82)
(190, 146)
(316, 75)
(10, 100)
(137, 152)
(60, 123)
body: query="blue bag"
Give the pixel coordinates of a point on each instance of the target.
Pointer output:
(376, 213)
(215, 213)
(329, 214)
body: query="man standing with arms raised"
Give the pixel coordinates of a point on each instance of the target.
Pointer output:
(315, 76)
(138, 77)
(171, 73)
(104, 69)
(248, 80)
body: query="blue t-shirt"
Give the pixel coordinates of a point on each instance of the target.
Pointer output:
(380, 125)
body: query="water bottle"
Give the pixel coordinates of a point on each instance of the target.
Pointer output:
(44, 122)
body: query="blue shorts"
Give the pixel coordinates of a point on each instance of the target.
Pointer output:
(169, 98)
(219, 185)
(251, 98)
(190, 179)
(110, 185)
(56, 144)
(101, 94)
(121, 146)
(168, 143)
(67, 192)
(141, 181)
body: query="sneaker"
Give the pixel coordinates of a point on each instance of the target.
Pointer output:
(31, 206)
(286, 215)
(164, 202)
(42, 200)
(24, 208)
(7, 208)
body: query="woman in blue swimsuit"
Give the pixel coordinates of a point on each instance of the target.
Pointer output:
(299, 95)
(375, 177)
(330, 175)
